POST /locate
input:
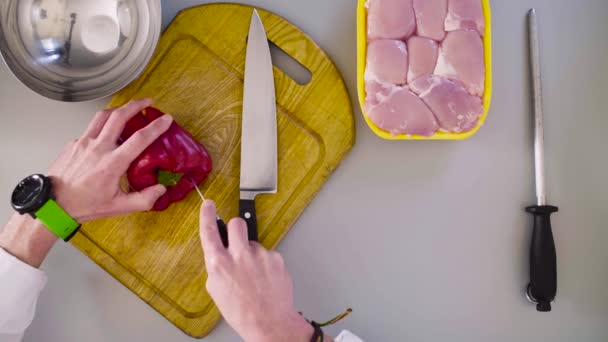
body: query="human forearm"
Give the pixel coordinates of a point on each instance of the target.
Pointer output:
(86, 180)
(27, 239)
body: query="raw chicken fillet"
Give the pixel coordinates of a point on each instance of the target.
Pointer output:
(456, 110)
(461, 58)
(426, 69)
(423, 57)
(390, 19)
(465, 15)
(387, 61)
(376, 93)
(430, 18)
(402, 112)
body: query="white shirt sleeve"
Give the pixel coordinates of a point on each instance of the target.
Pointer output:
(20, 286)
(347, 336)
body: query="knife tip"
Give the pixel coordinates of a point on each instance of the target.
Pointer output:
(256, 21)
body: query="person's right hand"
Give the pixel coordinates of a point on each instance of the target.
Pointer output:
(249, 284)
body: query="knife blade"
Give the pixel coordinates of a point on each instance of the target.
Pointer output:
(259, 165)
(542, 288)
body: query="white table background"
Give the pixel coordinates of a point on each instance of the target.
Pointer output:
(426, 241)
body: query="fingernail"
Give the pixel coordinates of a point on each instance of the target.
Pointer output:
(167, 118)
(209, 204)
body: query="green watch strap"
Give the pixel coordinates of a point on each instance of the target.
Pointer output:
(57, 220)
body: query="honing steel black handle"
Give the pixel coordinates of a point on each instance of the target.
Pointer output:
(543, 261)
(221, 226)
(247, 212)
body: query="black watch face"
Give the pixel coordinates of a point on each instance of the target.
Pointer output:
(28, 191)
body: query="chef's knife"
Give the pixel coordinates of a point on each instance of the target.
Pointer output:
(543, 261)
(259, 128)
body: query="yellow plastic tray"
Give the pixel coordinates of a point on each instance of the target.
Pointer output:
(361, 62)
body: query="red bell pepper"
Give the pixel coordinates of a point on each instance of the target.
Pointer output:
(175, 160)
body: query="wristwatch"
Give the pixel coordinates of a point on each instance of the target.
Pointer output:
(34, 196)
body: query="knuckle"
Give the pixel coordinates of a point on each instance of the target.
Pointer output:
(210, 227)
(99, 173)
(86, 142)
(147, 203)
(127, 106)
(117, 112)
(131, 102)
(99, 140)
(214, 264)
(237, 256)
(256, 249)
(72, 145)
(139, 138)
(96, 146)
(240, 255)
(101, 113)
(237, 223)
(80, 143)
(277, 258)
(155, 129)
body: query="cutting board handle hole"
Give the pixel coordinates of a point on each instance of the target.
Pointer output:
(289, 66)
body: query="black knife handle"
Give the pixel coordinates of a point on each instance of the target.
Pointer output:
(543, 260)
(221, 227)
(247, 212)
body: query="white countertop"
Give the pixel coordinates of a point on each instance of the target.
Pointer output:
(426, 241)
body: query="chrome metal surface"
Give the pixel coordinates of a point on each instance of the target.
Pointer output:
(259, 133)
(539, 140)
(78, 50)
(529, 296)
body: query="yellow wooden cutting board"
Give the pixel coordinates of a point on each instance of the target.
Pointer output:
(196, 75)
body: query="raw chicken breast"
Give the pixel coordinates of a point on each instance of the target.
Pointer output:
(423, 57)
(376, 93)
(430, 18)
(465, 15)
(387, 61)
(461, 58)
(456, 110)
(402, 112)
(390, 19)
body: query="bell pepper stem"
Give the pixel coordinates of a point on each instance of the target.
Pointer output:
(168, 178)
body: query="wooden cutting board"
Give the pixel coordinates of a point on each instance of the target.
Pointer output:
(196, 75)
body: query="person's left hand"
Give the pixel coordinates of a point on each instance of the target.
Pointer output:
(86, 176)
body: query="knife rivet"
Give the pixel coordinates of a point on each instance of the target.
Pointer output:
(248, 215)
